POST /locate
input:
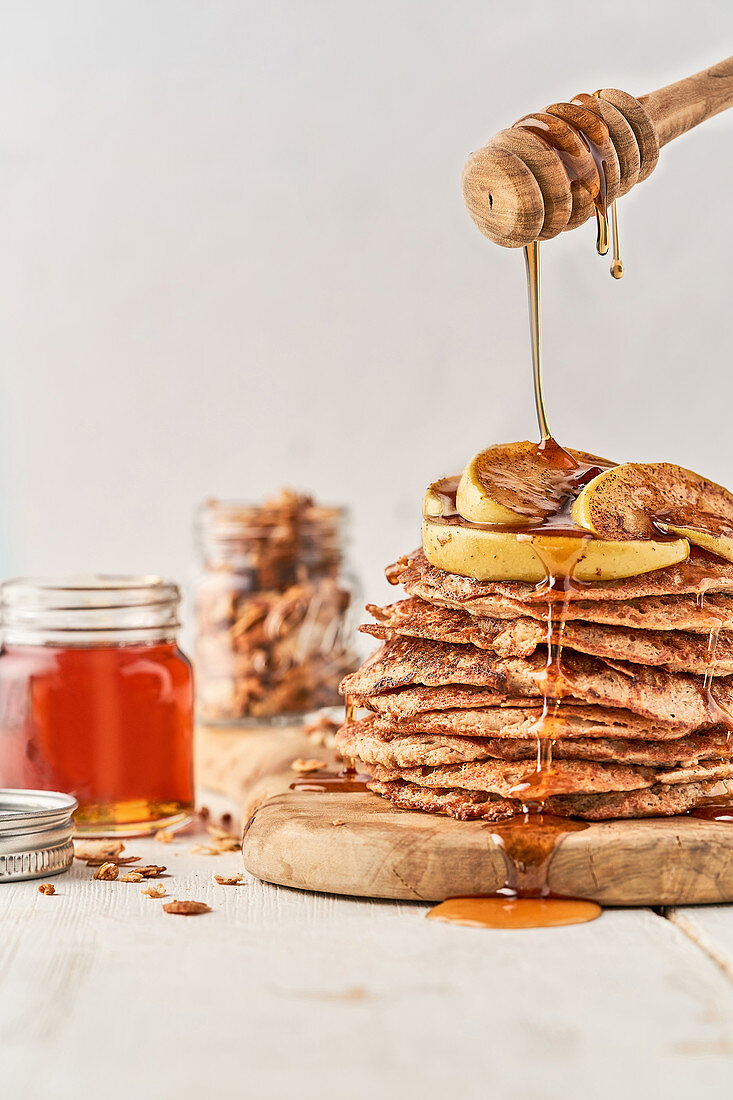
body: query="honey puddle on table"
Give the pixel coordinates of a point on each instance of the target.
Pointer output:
(501, 912)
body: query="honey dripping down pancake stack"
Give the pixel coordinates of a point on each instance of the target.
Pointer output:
(565, 643)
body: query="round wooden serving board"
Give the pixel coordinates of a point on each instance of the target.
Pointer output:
(361, 845)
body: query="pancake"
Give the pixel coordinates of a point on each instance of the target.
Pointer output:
(672, 650)
(410, 701)
(502, 776)
(371, 744)
(687, 612)
(700, 572)
(651, 692)
(517, 722)
(415, 700)
(565, 777)
(661, 800)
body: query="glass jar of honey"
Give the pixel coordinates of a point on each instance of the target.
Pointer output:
(274, 610)
(96, 699)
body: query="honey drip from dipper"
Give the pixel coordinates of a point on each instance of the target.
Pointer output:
(529, 840)
(572, 141)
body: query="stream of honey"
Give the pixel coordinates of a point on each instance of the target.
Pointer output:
(617, 267)
(529, 840)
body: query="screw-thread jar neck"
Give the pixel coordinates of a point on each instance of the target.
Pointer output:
(86, 611)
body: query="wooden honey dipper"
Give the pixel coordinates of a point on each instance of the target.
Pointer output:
(551, 171)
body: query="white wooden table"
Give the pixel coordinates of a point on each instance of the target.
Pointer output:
(279, 993)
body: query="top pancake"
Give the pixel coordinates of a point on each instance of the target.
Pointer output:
(687, 612)
(701, 572)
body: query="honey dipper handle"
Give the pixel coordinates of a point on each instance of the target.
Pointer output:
(677, 108)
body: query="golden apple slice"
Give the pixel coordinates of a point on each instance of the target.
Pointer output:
(440, 497)
(488, 555)
(638, 500)
(522, 483)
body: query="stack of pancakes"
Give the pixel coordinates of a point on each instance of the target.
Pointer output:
(454, 693)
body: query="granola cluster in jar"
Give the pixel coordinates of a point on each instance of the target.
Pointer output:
(274, 629)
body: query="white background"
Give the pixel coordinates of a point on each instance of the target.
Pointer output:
(234, 255)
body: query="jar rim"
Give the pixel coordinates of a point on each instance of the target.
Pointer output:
(89, 609)
(89, 580)
(87, 590)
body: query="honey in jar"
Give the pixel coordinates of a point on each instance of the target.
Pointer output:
(96, 699)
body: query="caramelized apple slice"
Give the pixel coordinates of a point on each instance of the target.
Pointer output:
(640, 500)
(488, 555)
(522, 483)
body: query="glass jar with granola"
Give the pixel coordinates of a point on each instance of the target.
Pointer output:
(274, 629)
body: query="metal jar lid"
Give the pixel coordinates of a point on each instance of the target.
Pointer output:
(35, 833)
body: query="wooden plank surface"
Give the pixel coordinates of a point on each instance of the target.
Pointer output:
(359, 844)
(711, 928)
(280, 991)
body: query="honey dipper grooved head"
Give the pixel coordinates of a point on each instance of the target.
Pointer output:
(503, 197)
(543, 174)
